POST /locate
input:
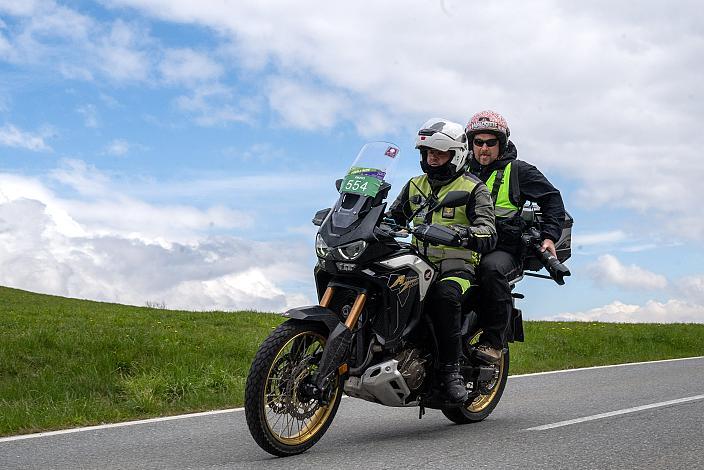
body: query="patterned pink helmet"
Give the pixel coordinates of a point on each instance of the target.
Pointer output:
(489, 122)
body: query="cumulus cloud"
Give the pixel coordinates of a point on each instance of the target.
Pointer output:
(692, 288)
(46, 34)
(189, 67)
(211, 105)
(609, 271)
(381, 68)
(598, 238)
(305, 107)
(672, 311)
(128, 251)
(122, 55)
(687, 308)
(11, 136)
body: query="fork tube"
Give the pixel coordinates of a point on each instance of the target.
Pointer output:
(327, 297)
(356, 310)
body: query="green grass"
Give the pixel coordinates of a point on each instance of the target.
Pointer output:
(67, 362)
(569, 345)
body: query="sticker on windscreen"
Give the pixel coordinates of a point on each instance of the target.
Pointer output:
(363, 181)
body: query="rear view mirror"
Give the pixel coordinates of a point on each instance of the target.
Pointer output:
(320, 216)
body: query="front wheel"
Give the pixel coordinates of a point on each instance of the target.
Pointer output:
(282, 418)
(491, 391)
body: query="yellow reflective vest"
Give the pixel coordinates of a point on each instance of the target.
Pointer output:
(445, 216)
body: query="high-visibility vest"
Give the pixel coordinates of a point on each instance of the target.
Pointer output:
(503, 207)
(445, 216)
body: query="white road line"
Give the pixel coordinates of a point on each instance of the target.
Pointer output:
(615, 413)
(232, 410)
(626, 364)
(117, 425)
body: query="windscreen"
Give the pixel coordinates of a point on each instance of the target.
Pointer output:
(372, 166)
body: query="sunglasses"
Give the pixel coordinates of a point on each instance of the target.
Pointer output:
(489, 142)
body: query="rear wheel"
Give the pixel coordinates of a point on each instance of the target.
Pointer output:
(282, 418)
(491, 391)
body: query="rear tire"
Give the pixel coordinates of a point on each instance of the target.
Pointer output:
(482, 406)
(281, 420)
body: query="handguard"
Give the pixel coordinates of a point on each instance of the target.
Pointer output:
(436, 234)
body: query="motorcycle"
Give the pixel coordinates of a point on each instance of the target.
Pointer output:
(370, 336)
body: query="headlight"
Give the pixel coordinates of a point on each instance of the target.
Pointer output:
(321, 248)
(351, 250)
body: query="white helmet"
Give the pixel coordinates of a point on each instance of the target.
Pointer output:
(441, 134)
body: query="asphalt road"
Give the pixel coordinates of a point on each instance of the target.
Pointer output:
(648, 415)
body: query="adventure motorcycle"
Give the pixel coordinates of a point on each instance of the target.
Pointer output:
(369, 337)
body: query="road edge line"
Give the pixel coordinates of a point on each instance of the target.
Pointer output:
(118, 425)
(625, 364)
(233, 410)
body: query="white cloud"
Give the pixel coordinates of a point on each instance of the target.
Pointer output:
(76, 45)
(24, 8)
(211, 105)
(125, 250)
(305, 107)
(90, 115)
(104, 210)
(118, 147)
(188, 67)
(672, 311)
(11, 136)
(692, 288)
(121, 55)
(555, 83)
(598, 238)
(609, 271)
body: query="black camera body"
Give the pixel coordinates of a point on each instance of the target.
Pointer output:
(535, 259)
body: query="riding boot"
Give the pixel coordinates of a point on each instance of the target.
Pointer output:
(453, 383)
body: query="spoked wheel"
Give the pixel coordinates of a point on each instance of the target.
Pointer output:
(281, 414)
(491, 391)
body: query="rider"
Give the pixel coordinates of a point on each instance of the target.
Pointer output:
(512, 182)
(443, 151)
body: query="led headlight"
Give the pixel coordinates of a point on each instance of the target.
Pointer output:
(321, 248)
(351, 250)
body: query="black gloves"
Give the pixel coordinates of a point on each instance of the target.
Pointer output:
(436, 234)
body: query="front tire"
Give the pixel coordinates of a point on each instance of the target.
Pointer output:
(492, 390)
(281, 419)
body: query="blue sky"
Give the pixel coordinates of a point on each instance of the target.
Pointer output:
(174, 152)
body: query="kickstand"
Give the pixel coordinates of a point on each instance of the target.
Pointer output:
(421, 411)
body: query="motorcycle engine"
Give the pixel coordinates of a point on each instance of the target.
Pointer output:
(412, 367)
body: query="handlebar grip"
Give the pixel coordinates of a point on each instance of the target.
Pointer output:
(436, 234)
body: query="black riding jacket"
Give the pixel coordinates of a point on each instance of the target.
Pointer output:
(527, 184)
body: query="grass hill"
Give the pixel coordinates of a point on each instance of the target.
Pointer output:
(67, 362)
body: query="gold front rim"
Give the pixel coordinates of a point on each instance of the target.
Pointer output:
(291, 419)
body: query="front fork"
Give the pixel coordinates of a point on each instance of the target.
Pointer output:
(334, 360)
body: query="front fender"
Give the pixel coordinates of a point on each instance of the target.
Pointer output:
(315, 313)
